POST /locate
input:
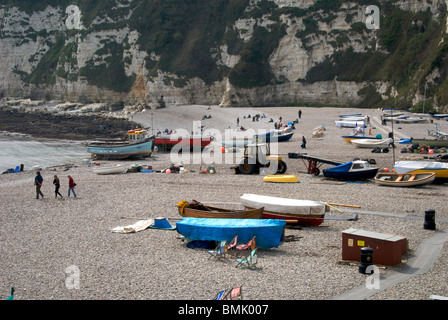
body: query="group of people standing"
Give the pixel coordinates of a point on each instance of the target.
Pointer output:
(38, 181)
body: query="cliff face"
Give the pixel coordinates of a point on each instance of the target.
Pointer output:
(228, 52)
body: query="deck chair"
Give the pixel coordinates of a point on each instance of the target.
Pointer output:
(220, 251)
(250, 245)
(232, 244)
(250, 261)
(221, 294)
(234, 294)
(11, 297)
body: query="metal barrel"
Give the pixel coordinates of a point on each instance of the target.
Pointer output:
(366, 259)
(430, 220)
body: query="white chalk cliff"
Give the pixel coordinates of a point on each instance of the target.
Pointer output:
(28, 38)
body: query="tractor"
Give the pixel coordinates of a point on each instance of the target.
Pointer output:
(256, 156)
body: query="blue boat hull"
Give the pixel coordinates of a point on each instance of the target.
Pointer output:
(342, 172)
(268, 136)
(368, 174)
(138, 150)
(268, 232)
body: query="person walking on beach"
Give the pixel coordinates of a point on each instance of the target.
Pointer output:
(38, 180)
(300, 114)
(71, 186)
(57, 185)
(303, 142)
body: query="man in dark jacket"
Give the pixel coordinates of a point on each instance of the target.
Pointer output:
(38, 180)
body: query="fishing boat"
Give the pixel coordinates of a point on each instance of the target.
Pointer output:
(352, 170)
(439, 143)
(372, 143)
(268, 233)
(274, 135)
(439, 168)
(137, 145)
(119, 169)
(392, 179)
(195, 209)
(193, 143)
(302, 212)
(279, 178)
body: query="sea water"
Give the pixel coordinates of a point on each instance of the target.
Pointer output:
(19, 149)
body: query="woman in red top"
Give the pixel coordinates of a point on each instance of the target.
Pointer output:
(71, 186)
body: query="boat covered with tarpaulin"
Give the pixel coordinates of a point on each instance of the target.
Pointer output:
(439, 168)
(296, 211)
(268, 233)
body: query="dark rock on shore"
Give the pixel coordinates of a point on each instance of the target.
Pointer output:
(44, 124)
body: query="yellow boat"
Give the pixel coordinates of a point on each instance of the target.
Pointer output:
(281, 178)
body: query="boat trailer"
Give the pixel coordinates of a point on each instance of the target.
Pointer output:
(313, 162)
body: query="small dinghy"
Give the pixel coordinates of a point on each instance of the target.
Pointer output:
(195, 209)
(404, 179)
(372, 143)
(281, 178)
(119, 169)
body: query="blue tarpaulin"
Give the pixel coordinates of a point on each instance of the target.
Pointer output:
(268, 232)
(341, 168)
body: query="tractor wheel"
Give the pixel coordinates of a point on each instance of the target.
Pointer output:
(316, 172)
(281, 167)
(247, 168)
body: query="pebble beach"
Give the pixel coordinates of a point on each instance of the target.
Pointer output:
(43, 242)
